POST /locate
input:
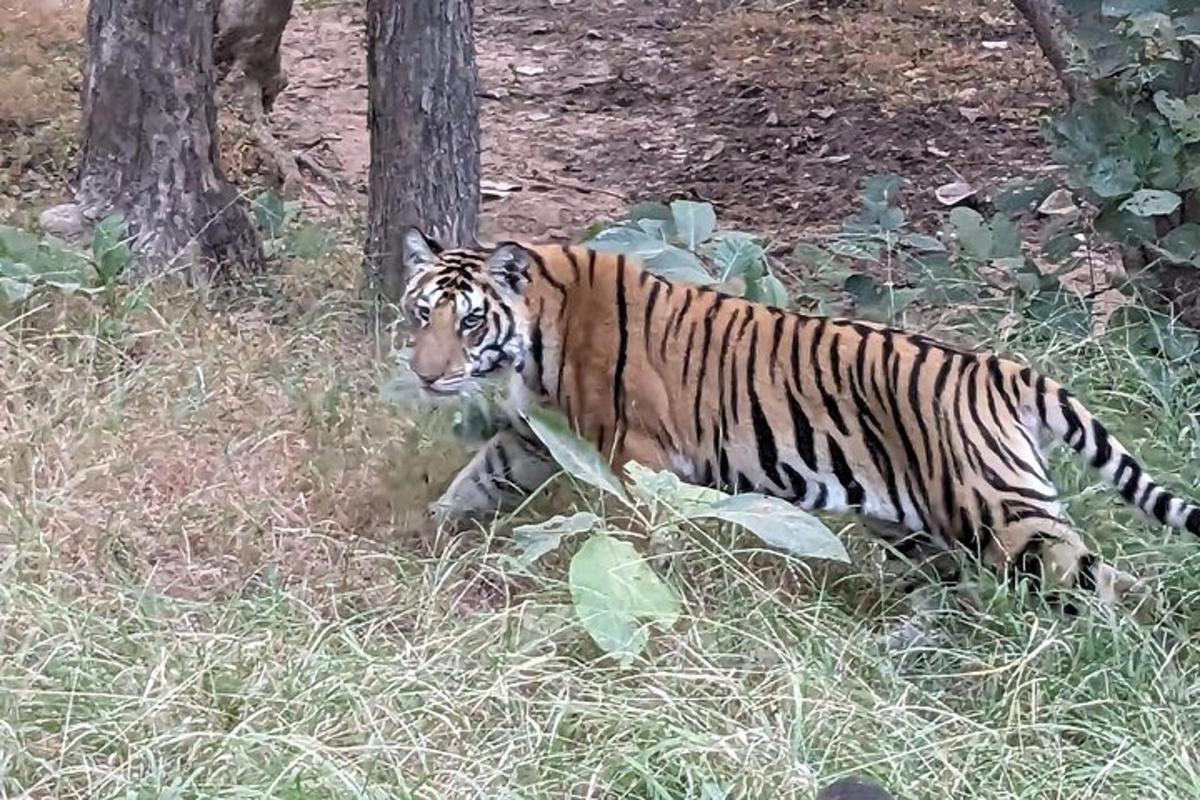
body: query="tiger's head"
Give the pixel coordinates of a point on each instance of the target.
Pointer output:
(466, 309)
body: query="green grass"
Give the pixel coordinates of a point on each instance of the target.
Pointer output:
(215, 582)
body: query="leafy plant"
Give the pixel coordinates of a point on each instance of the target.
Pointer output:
(285, 232)
(676, 241)
(32, 265)
(1132, 147)
(978, 265)
(616, 593)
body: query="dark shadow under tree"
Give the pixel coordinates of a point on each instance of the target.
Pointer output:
(150, 137)
(424, 124)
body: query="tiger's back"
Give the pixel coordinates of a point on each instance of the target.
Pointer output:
(932, 444)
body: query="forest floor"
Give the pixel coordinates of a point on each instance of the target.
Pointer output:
(773, 111)
(215, 574)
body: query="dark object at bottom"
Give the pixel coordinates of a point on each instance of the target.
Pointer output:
(854, 789)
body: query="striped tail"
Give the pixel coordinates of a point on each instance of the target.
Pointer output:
(1063, 414)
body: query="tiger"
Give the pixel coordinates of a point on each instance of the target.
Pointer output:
(934, 447)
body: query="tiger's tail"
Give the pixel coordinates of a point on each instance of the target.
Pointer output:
(1062, 413)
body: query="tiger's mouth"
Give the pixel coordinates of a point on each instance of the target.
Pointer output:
(446, 386)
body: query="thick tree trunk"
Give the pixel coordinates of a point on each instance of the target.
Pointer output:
(149, 135)
(424, 123)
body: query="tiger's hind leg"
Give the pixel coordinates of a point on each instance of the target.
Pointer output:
(509, 466)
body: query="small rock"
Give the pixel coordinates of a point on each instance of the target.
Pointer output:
(64, 220)
(1058, 203)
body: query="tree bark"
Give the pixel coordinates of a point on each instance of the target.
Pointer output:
(1045, 17)
(150, 136)
(424, 123)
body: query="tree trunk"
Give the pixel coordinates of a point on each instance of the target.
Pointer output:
(1045, 17)
(150, 136)
(424, 124)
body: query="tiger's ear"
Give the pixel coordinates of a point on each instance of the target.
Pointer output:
(420, 252)
(509, 264)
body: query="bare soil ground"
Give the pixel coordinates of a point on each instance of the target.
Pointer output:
(773, 111)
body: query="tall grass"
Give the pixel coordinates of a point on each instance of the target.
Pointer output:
(215, 580)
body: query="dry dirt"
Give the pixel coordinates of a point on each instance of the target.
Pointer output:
(773, 111)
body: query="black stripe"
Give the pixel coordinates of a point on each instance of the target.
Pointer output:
(535, 349)
(764, 437)
(802, 430)
(562, 363)
(687, 353)
(573, 260)
(832, 407)
(1040, 392)
(544, 271)
(591, 267)
(1073, 424)
(841, 471)
(1103, 447)
(622, 344)
(914, 399)
(709, 316)
(871, 432)
(719, 436)
(796, 481)
(776, 337)
(648, 315)
(1160, 507)
(1129, 485)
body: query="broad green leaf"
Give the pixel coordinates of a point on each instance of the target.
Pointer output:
(779, 524)
(660, 212)
(676, 264)
(774, 293)
(735, 254)
(535, 541)
(577, 457)
(1125, 8)
(882, 189)
(14, 291)
(880, 303)
(16, 270)
(615, 593)
(666, 487)
(1151, 203)
(270, 211)
(694, 222)
(110, 253)
(18, 244)
(1182, 244)
(811, 255)
(973, 233)
(923, 244)
(309, 242)
(1022, 197)
(1183, 115)
(1124, 227)
(1006, 238)
(1111, 176)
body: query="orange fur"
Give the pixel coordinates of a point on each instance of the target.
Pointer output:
(931, 444)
